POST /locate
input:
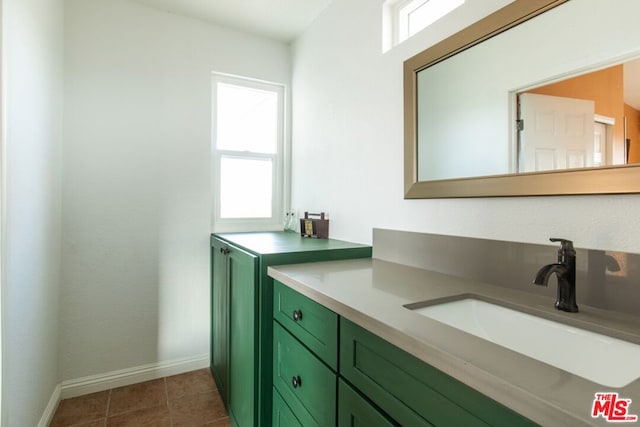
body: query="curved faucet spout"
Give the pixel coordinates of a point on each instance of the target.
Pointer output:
(542, 276)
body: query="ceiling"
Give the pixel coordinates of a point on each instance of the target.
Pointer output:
(281, 20)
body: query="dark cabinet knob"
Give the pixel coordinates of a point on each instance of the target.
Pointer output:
(224, 251)
(296, 381)
(297, 315)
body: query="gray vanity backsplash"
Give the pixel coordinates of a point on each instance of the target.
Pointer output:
(604, 279)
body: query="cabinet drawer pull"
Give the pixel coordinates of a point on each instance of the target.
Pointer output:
(224, 251)
(296, 381)
(297, 315)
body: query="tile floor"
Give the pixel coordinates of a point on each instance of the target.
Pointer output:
(189, 399)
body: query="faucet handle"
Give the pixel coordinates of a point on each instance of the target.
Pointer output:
(566, 248)
(565, 244)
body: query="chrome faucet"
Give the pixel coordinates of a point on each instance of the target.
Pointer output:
(565, 270)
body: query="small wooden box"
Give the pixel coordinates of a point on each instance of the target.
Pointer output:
(317, 228)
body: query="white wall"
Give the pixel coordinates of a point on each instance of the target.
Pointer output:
(135, 283)
(348, 158)
(32, 60)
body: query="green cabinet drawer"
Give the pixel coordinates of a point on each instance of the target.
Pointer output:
(355, 411)
(282, 415)
(411, 391)
(314, 325)
(306, 384)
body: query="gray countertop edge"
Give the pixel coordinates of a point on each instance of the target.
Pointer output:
(532, 404)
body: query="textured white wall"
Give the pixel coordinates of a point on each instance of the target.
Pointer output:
(135, 286)
(32, 74)
(347, 146)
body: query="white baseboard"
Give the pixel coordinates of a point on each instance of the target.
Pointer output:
(137, 374)
(47, 415)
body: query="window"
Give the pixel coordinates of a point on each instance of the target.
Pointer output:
(248, 145)
(404, 18)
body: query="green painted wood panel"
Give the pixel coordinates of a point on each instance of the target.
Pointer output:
(313, 398)
(278, 248)
(219, 318)
(378, 378)
(282, 415)
(284, 242)
(329, 253)
(242, 270)
(411, 391)
(355, 411)
(313, 324)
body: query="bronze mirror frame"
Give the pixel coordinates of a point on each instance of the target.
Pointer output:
(603, 180)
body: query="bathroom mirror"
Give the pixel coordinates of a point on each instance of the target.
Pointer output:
(461, 103)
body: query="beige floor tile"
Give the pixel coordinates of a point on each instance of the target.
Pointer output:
(190, 383)
(197, 410)
(189, 399)
(224, 422)
(138, 396)
(81, 410)
(156, 416)
(97, 423)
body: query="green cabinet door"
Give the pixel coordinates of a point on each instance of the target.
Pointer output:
(411, 391)
(243, 360)
(282, 415)
(355, 411)
(220, 317)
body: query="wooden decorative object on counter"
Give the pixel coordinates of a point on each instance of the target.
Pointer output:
(317, 228)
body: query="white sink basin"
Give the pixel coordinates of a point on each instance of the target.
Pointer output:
(599, 358)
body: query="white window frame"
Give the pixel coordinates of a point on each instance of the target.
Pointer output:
(404, 10)
(279, 159)
(396, 15)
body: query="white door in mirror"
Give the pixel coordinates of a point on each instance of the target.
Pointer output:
(556, 133)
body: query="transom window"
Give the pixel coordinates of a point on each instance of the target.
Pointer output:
(407, 17)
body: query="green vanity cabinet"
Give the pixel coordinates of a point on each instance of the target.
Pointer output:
(305, 355)
(242, 314)
(411, 391)
(305, 371)
(374, 383)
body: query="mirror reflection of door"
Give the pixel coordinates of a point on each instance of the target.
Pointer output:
(557, 133)
(616, 93)
(632, 132)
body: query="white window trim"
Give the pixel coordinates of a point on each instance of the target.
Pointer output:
(280, 160)
(395, 21)
(395, 25)
(403, 13)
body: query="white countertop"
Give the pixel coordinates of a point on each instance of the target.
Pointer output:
(372, 293)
